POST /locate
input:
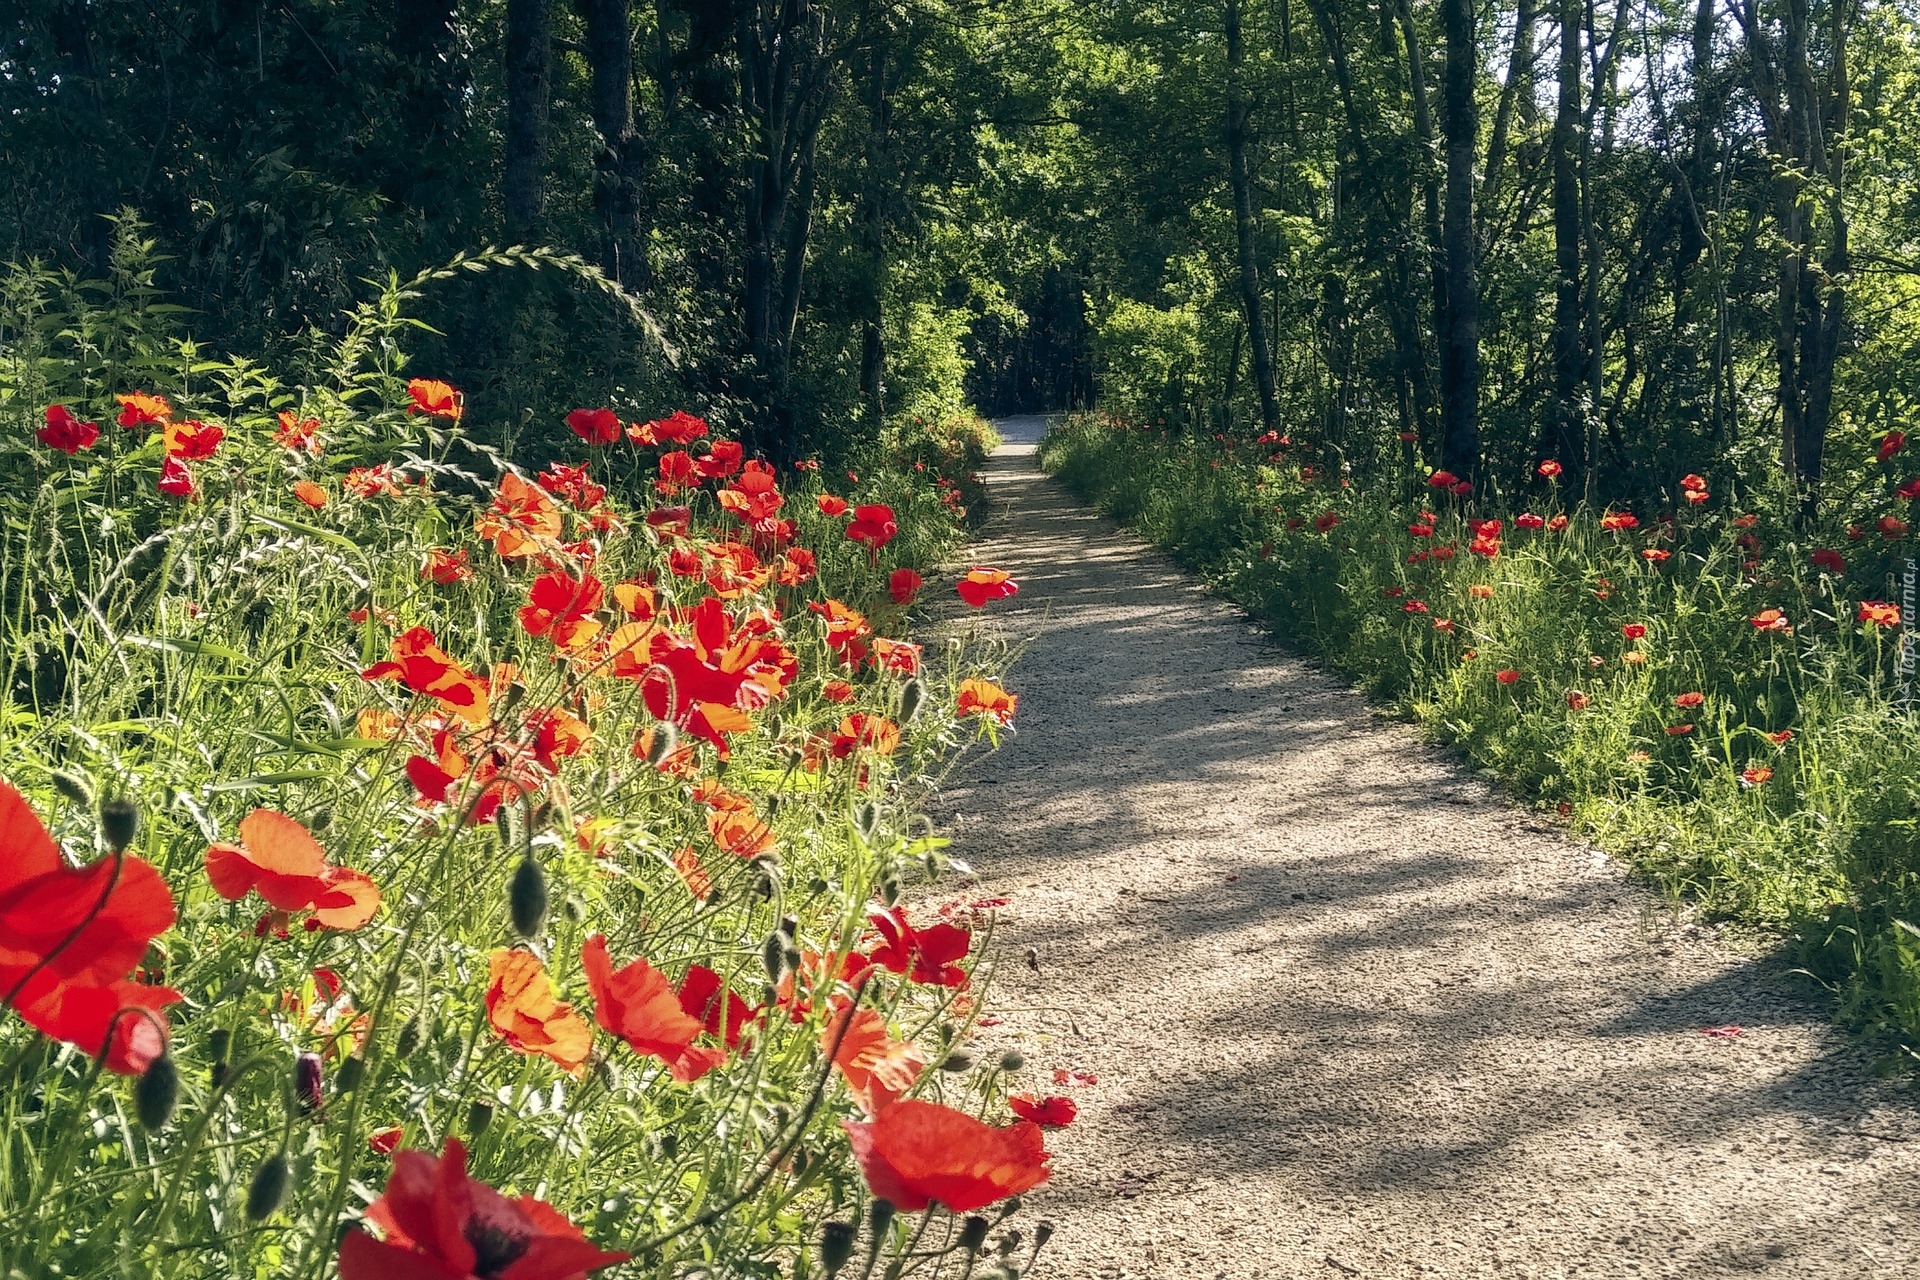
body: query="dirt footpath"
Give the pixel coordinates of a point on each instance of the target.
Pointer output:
(1347, 1013)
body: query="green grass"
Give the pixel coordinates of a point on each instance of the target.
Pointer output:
(1823, 852)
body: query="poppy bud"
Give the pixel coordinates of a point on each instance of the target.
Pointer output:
(769, 881)
(661, 743)
(573, 909)
(836, 1245)
(268, 1188)
(217, 1044)
(773, 805)
(1009, 1241)
(413, 1034)
(879, 1217)
(479, 1116)
(973, 1233)
(956, 1062)
(890, 890)
(74, 787)
(776, 724)
(156, 1093)
(119, 823)
(913, 696)
(352, 1070)
(773, 953)
(1042, 1232)
(308, 1087)
(1012, 1060)
(867, 819)
(321, 819)
(669, 1146)
(527, 898)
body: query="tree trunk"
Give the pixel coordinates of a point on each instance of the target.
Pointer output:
(619, 167)
(1246, 227)
(1429, 179)
(1460, 349)
(529, 57)
(875, 187)
(1566, 426)
(1516, 94)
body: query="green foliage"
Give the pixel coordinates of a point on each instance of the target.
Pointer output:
(1823, 846)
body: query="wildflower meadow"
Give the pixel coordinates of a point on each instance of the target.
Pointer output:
(421, 863)
(1715, 691)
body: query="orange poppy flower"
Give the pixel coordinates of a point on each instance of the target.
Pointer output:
(377, 481)
(521, 521)
(1050, 1113)
(310, 493)
(915, 1152)
(1655, 555)
(143, 410)
(737, 829)
(985, 698)
(862, 732)
(877, 1068)
(1507, 676)
(754, 496)
(1480, 591)
(678, 428)
(1771, 620)
(435, 399)
(438, 1224)
(1549, 468)
(901, 657)
(1687, 701)
(1577, 701)
(845, 628)
(982, 585)
(830, 505)
(1619, 521)
(636, 1003)
(1781, 738)
(69, 936)
(297, 433)
(693, 873)
(424, 667)
(837, 691)
(281, 861)
(523, 1007)
(1877, 613)
(797, 566)
(1754, 777)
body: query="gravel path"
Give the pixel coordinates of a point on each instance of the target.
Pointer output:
(1350, 1014)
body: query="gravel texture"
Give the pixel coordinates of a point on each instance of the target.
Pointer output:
(1351, 1013)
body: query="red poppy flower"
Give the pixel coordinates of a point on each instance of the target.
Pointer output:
(310, 493)
(1507, 676)
(1891, 527)
(1414, 606)
(837, 691)
(873, 526)
(595, 426)
(176, 481)
(1556, 524)
(679, 427)
(1528, 520)
(1619, 521)
(1052, 1112)
(1830, 560)
(1442, 480)
(1420, 530)
(1577, 701)
(529, 1015)
(705, 997)
(385, 1141)
(279, 859)
(676, 473)
(1325, 522)
(1890, 444)
(903, 585)
(1459, 488)
(845, 628)
(830, 505)
(754, 497)
(1549, 468)
(65, 432)
(722, 459)
(1655, 555)
(1754, 777)
(1771, 620)
(69, 936)
(1679, 730)
(438, 1224)
(1634, 630)
(914, 1153)
(1780, 738)
(636, 1003)
(1877, 613)
(436, 399)
(561, 607)
(143, 410)
(930, 956)
(1690, 700)
(573, 484)
(900, 657)
(797, 566)
(193, 439)
(877, 1068)
(862, 732)
(446, 567)
(982, 585)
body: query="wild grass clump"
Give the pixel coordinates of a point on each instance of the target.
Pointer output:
(1714, 693)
